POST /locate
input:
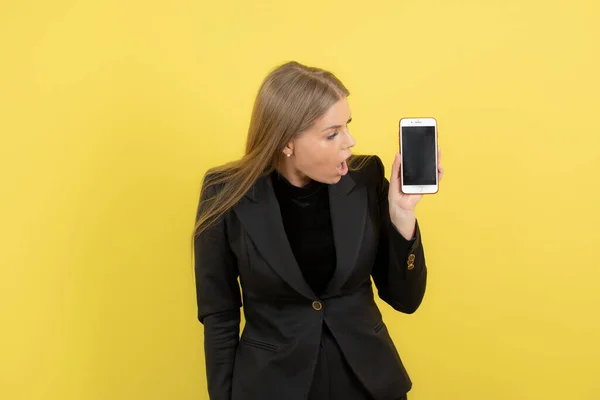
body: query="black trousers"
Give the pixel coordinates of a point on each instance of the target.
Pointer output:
(334, 378)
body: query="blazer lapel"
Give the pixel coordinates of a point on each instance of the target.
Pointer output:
(260, 215)
(348, 205)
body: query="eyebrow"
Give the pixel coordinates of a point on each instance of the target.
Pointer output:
(336, 126)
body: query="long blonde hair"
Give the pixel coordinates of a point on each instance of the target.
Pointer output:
(291, 98)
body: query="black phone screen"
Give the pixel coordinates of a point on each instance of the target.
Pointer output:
(419, 155)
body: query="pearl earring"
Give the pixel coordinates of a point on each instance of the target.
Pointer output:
(289, 154)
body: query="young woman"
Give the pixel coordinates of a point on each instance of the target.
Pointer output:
(302, 227)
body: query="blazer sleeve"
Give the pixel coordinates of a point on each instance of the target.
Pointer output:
(219, 302)
(399, 273)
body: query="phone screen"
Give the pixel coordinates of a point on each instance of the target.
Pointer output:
(419, 155)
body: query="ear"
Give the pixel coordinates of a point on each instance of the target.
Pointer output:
(289, 148)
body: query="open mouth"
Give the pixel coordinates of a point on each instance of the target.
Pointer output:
(343, 168)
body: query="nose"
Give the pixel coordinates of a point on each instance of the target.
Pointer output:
(349, 142)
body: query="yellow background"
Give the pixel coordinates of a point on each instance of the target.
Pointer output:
(111, 112)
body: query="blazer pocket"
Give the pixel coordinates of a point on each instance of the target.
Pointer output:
(259, 344)
(378, 327)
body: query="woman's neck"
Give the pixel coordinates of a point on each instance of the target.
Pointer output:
(293, 175)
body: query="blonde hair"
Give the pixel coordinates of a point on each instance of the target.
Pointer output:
(291, 98)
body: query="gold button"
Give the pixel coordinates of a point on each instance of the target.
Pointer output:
(317, 305)
(411, 266)
(411, 258)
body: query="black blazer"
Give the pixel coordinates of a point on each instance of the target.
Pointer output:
(275, 357)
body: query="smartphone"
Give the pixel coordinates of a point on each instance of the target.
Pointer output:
(418, 147)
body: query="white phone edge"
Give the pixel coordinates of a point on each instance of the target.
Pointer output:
(419, 189)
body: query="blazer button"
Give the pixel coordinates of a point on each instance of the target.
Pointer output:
(411, 258)
(410, 266)
(317, 305)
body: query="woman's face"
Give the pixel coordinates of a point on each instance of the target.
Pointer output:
(320, 152)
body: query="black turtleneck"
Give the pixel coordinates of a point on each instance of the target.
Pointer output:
(307, 223)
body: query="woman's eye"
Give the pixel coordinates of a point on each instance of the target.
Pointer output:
(334, 134)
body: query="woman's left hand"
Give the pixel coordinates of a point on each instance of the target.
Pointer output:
(402, 206)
